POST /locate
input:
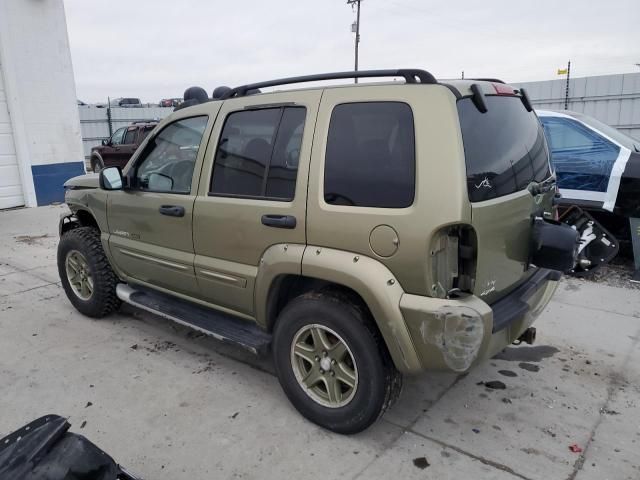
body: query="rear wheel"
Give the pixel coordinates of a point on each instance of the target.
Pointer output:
(85, 272)
(332, 363)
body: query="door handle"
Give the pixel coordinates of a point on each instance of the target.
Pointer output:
(279, 221)
(172, 210)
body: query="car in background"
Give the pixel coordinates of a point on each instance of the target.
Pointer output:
(129, 102)
(116, 150)
(597, 168)
(170, 102)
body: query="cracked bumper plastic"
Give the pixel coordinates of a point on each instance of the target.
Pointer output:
(454, 334)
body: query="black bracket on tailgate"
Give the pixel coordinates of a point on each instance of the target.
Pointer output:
(597, 246)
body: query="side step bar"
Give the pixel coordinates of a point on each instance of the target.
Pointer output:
(215, 323)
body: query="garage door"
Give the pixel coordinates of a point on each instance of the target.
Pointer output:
(10, 185)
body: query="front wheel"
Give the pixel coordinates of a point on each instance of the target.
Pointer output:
(332, 363)
(85, 272)
(96, 164)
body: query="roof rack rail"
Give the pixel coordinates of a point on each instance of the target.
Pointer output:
(153, 120)
(494, 80)
(410, 75)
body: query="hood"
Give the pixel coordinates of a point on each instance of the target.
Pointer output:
(90, 180)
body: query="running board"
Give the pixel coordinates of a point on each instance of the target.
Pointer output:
(215, 323)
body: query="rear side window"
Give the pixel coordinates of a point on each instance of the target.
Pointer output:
(583, 160)
(504, 148)
(370, 156)
(258, 153)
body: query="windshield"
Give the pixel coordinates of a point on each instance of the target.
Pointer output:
(505, 149)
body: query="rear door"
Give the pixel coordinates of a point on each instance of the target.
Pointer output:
(150, 224)
(588, 165)
(252, 192)
(505, 152)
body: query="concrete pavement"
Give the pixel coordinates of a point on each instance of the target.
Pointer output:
(169, 403)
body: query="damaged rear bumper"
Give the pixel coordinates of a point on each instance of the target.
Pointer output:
(453, 334)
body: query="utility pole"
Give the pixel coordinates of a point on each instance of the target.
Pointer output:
(566, 91)
(357, 30)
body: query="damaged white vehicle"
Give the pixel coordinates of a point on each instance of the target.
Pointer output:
(598, 170)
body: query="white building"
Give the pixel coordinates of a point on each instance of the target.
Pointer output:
(40, 140)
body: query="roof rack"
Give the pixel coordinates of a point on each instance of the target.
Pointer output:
(494, 80)
(410, 76)
(137, 122)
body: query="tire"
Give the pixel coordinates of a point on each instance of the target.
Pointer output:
(377, 382)
(81, 249)
(96, 164)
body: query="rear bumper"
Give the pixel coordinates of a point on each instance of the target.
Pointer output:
(514, 306)
(454, 334)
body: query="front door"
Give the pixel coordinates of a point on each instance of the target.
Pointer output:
(252, 192)
(150, 224)
(111, 150)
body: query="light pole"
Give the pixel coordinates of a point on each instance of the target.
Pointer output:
(357, 30)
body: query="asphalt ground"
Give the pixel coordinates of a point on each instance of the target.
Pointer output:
(169, 403)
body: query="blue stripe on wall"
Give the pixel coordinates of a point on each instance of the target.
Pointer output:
(48, 180)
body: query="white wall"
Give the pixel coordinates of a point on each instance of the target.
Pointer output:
(41, 94)
(612, 99)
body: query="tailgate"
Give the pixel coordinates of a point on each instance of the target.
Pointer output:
(507, 164)
(503, 230)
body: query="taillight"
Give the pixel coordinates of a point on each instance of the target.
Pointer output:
(453, 256)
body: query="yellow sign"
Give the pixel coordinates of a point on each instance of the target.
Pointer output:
(562, 71)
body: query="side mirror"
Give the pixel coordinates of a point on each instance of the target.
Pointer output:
(105, 141)
(111, 178)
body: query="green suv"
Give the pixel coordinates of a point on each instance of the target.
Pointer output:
(355, 232)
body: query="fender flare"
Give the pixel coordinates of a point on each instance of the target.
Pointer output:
(369, 278)
(379, 289)
(98, 157)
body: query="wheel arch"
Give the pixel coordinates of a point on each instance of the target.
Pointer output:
(79, 218)
(363, 279)
(96, 155)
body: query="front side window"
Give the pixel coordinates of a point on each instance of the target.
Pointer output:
(118, 135)
(258, 153)
(582, 159)
(370, 155)
(169, 158)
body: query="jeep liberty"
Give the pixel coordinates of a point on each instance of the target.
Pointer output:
(358, 232)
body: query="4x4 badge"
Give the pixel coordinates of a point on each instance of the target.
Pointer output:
(484, 183)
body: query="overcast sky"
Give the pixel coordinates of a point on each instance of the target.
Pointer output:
(154, 49)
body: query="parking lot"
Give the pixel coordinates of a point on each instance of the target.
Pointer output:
(169, 403)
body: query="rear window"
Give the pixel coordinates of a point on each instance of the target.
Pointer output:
(504, 148)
